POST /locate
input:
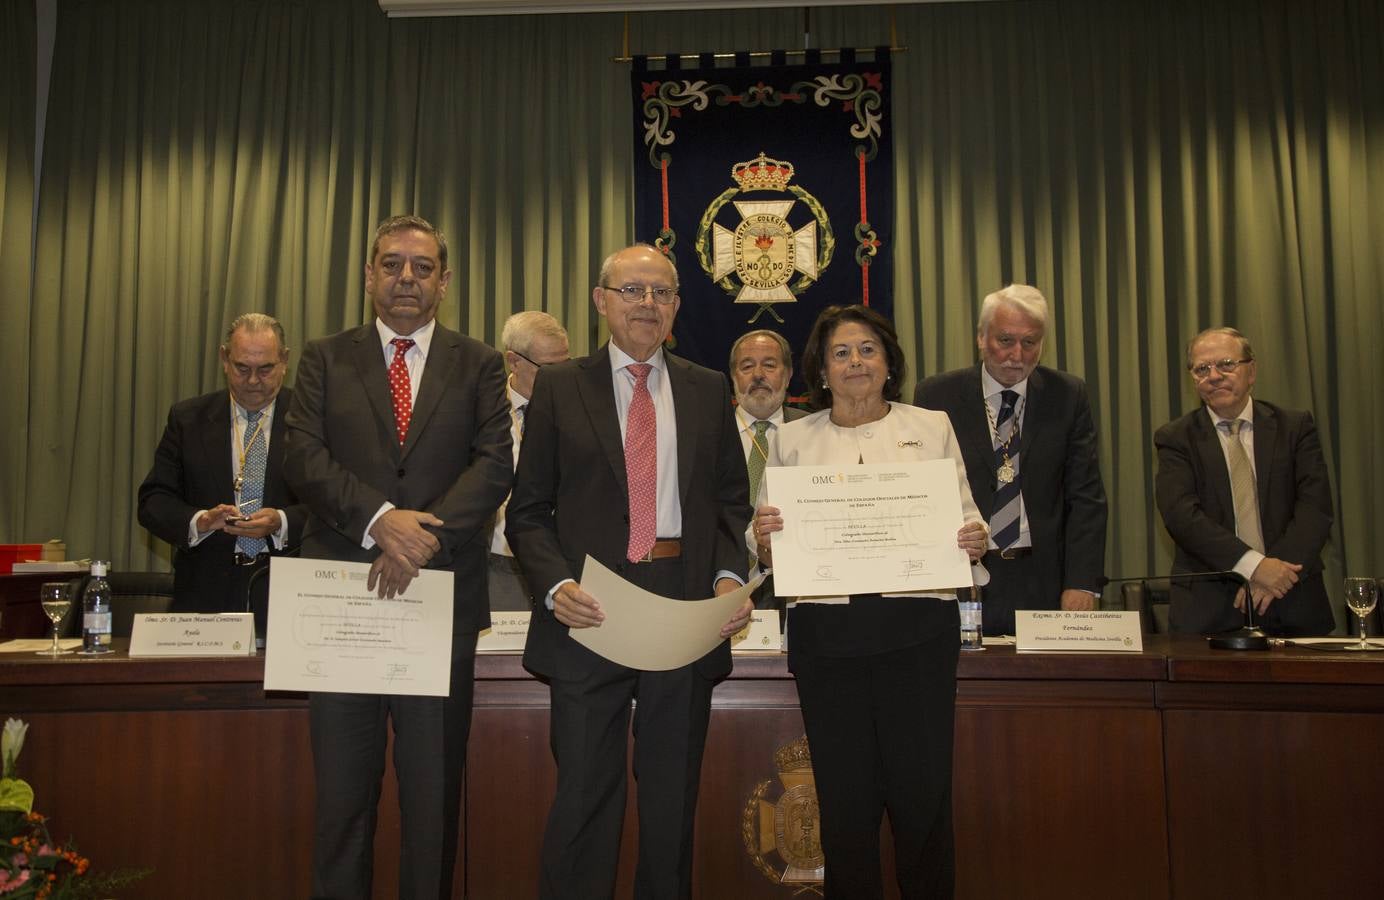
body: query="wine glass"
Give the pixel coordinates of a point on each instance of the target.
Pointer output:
(1360, 597)
(56, 597)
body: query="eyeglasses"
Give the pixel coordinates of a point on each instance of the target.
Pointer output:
(635, 293)
(536, 364)
(1202, 371)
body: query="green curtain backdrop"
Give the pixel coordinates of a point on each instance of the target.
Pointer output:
(1154, 167)
(18, 42)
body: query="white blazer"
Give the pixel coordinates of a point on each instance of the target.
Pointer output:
(906, 434)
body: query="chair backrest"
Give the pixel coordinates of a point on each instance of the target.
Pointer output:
(1150, 601)
(131, 593)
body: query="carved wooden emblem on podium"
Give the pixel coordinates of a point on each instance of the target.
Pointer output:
(784, 837)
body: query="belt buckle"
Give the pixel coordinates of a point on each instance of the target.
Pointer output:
(242, 559)
(1012, 552)
(647, 557)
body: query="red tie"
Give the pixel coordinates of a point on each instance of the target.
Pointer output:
(641, 465)
(399, 388)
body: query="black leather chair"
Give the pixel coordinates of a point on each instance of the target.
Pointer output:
(131, 593)
(1150, 601)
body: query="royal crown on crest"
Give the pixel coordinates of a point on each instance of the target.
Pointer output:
(793, 757)
(762, 174)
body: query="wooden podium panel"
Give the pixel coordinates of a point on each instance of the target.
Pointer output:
(1060, 787)
(1274, 785)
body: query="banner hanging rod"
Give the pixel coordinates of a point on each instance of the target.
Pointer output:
(626, 57)
(753, 54)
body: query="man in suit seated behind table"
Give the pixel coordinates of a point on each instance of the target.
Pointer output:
(1242, 486)
(216, 490)
(761, 366)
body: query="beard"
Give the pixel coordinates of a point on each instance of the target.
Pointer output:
(763, 402)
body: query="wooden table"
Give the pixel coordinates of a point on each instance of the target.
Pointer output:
(1178, 771)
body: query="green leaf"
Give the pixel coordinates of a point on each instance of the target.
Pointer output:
(16, 794)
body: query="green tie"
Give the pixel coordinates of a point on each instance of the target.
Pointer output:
(1243, 491)
(757, 459)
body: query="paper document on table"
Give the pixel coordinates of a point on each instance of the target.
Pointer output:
(33, 645)
(327, 632)
(867, 529)
(648, 632)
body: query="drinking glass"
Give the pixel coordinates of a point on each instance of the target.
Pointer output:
(1361, 594)
(56, 597)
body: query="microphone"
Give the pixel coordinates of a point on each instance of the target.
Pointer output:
(1247, 637)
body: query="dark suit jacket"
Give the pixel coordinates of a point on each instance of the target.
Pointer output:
(570, 495)
(192, 471)
(1193, 493)
(1063, 494)
(344, 459)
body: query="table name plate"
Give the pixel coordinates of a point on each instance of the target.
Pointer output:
(193, 634)
(1062, 630)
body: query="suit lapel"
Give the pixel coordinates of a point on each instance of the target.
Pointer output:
(437, 370)
(973, 433)
(216, 444)
(1208, 445)
(1265, 435)
(275, 456)
(1033, 413)
(680, 380)
(374, 378)
(597, 389)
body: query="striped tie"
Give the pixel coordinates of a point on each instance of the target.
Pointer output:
(1242, 489)
(1004, 523)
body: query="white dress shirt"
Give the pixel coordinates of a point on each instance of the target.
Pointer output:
(517, 404)
(416, 358)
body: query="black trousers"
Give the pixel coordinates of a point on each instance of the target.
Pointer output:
(348, 750)
(880, 730)
(590, 728)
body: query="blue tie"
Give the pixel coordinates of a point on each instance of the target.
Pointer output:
(1004, 523)
(252, 485)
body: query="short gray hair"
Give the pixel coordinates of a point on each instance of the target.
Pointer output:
(1023, 297)
(606, 266)
(254, 322)
(522, 328)
(1246, 351)
(785, 351)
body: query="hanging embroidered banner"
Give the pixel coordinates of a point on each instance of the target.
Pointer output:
(772, 190)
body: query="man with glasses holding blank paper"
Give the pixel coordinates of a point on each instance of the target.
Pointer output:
(1242, 486)
(630, 455)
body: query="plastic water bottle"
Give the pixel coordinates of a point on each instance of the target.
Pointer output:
(971, 638)
(96, 611)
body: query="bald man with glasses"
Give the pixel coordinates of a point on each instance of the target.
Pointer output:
(1242, 486)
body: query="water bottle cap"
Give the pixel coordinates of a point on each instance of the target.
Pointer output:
(99, 567)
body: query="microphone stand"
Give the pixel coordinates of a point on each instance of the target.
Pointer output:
(1247, 637)
(249, 591)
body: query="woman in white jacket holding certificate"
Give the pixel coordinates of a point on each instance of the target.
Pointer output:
(876, 675)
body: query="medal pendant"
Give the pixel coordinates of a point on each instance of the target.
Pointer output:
(240, 482)
(1005, 473)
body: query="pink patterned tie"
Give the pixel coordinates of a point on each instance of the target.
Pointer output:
(399, 390)
(641, 465)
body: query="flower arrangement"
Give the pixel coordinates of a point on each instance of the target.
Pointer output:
(32, 864)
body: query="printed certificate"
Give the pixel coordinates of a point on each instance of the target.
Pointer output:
(867, 529)
(328, 633)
